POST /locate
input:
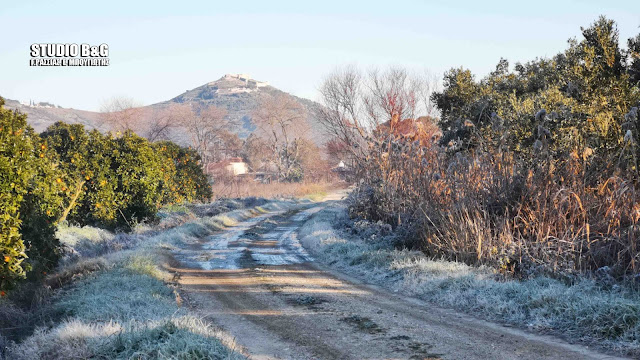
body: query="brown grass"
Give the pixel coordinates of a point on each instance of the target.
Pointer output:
(541, 214)
(314, 191)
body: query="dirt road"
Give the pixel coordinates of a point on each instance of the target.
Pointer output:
(259, 285)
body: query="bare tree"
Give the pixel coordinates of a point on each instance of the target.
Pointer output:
(230, 144)
(162, 121)
(355, 105)
(343, 112)
(206, 125)
(392, 93)
(122, 113)
(256, 151)
(282, 122)
(429, 84)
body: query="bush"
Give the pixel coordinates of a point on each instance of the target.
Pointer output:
(16, 159)
(486, 206)
(85, 159)
(585, 90)
(116, 182)
(138, 179)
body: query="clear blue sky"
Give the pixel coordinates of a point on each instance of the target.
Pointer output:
(160, 49)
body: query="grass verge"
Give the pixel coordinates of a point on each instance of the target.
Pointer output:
(585, 311)
(126, 311)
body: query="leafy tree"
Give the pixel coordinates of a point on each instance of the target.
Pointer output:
(84, 159)
(634, 57)
(40, 210)
(138, 180)
(586, 92)
(16, 159)
(28, 198)
(460, 90)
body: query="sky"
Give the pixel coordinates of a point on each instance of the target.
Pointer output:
(159, 49)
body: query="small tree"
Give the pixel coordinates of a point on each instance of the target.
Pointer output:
(256, 152)
(138, 178)
(16, 166)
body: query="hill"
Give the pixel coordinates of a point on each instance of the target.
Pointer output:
(42, 116)
(239, 94)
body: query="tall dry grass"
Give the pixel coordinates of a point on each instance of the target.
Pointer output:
(541, 214)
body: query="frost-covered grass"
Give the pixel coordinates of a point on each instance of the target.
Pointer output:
(178, 338)
(608, 316)
(110, 298)
(88, 242)
(125, 312)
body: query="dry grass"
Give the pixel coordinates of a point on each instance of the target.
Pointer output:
(560, 216)
(313, 191)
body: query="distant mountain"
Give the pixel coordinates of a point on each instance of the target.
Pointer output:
(42, 116)
(239, 94)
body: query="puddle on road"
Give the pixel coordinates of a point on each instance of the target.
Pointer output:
(287, 250)
(274, 244)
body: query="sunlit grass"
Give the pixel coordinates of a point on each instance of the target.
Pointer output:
(313, 191)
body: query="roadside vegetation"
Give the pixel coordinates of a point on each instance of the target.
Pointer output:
(531, 171)
(70, 175)
(529, 175)
(88, 220)
(513, 197)
(113, 297)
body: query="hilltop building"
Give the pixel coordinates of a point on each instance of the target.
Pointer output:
(237, 83)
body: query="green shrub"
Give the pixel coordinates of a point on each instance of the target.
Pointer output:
(16, 168)
(85, 161)
(115, 182)
(40, 209)
(138, 178)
